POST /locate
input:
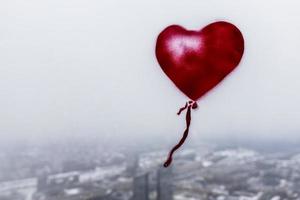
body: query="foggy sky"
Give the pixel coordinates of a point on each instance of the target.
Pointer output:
(87, 67)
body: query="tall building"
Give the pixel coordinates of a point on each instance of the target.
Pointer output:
(132, 164)
(42, 182)
(164, 184)
(140, 187)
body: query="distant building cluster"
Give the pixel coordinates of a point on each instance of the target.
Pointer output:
(214, 174)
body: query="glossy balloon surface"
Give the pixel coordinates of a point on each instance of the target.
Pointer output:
(196, 61)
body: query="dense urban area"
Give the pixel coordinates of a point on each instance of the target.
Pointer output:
(85, 171)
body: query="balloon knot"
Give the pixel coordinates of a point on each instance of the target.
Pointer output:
(194, 105)
(189, 104)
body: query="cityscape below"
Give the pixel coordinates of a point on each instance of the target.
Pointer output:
(87, 171)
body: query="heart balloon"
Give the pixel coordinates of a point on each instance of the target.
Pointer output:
(196, 61)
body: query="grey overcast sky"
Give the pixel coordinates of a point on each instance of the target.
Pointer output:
(87, 67)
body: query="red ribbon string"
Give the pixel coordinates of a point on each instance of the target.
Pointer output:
(183, 108)
(189, 105)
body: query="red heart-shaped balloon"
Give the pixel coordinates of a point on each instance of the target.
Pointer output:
(196, 61)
